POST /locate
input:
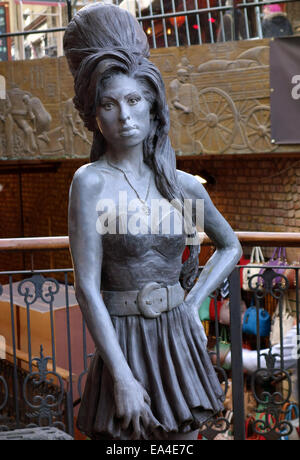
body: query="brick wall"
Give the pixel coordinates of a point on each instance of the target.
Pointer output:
(45, 209)
(10, 217)
(252, 194)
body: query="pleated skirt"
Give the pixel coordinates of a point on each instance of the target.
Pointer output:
(167, 356)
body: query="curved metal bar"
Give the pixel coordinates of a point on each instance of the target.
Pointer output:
(4, 383)
(44, 407)
(39, 283)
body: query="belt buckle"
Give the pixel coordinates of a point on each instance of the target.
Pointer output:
(144, 303)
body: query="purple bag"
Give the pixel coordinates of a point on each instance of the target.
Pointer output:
(278, 259)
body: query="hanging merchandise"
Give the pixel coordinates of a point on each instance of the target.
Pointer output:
(227, 386)
(215, 302)
(258, 260)
(250, 403)
(290, 413)
(250, 321)
(287, 320)
(279, 260)
(243, 261)
(290, 274)
(224, 317)
(222, 348)
(204, 310)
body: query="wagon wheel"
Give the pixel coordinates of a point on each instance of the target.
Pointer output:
(243, 108)
(258, 130)
(217, 121)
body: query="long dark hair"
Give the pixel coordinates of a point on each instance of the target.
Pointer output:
(103, 39)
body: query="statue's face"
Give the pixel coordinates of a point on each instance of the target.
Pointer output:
(123, 115)
(183, 76)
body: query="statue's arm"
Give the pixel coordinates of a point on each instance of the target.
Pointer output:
(131, 399)
(228, 249)
(86, 251)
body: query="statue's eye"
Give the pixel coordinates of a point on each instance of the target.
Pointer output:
(108, 106)
(134, 100)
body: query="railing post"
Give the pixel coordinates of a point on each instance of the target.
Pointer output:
(69, 9)
(236, 356)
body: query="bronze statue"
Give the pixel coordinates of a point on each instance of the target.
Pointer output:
(151, 376)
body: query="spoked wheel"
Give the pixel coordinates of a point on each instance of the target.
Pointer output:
(258, 130)
(217, 121)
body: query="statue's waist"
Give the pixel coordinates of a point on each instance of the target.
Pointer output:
(150, 301)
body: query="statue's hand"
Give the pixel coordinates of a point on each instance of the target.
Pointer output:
(133, 405)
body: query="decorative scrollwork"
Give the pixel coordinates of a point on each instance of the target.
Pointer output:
(268, 282)
(272, 377)
(5, 392)
(3, 384)
(214, 427)
(269, 422)
(38, 287)
(270, 426)
(45, 408)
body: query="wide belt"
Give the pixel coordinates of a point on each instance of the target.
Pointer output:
(150, 301)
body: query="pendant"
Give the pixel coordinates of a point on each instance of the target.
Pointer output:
(146, 209)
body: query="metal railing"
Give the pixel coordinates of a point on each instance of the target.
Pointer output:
(172, 22)
(193, 22)
(47, 346)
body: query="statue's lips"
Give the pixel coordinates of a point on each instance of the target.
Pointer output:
(128, 131)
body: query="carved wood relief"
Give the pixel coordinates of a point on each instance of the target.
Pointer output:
(37, 117)
(220, 103)
(218, 97)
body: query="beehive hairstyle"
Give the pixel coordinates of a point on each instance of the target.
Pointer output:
(102, 40)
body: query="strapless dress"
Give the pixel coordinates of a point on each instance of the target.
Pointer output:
(166, 355)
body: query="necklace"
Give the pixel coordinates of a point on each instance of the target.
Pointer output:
(145, 207)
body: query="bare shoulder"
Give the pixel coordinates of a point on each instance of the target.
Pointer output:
(191, 187)
(89, 178)
(88, 174)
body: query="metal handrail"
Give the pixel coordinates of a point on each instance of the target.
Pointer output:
(288, 239)
(35, 243)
